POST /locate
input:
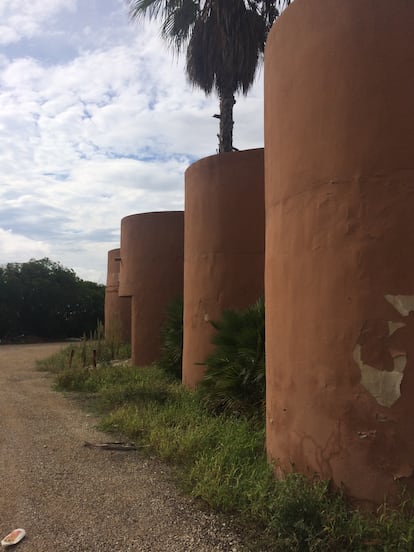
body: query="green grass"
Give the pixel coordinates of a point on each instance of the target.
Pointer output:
(221, 460)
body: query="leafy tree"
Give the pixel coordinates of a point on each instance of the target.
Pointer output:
(225, 40)
(42, 298)
(10, 301)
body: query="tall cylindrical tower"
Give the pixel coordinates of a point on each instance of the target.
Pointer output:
(339, 286)
(152, 274)
(117, 309)
(224, 246)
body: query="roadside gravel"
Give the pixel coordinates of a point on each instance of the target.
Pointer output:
(70, 497)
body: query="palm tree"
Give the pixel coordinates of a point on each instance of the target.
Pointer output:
(225, 40)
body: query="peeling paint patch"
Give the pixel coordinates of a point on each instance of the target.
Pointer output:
(403, 303)
(383, 385)
(394, 326)
(399, 359)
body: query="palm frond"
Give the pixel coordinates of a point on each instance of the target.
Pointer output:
(226, 42)
(151, 9)
(179, 23)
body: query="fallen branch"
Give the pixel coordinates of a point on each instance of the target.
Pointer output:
(117, 445)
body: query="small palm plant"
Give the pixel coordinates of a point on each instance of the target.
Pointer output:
(172, 339)
(235, 378)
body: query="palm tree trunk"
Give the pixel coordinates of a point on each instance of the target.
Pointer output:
(227, 102)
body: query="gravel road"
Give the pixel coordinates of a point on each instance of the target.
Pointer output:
(70, 497)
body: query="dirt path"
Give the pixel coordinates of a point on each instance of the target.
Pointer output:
(69, 497)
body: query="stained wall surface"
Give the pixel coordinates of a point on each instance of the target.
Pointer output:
(152, 259)
(224, 246)
(339, 276)
(117, 309)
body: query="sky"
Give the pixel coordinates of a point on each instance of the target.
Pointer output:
(97, 122)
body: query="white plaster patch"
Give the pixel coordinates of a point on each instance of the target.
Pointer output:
(383, 385)
(400, 361)
(403, 303)
(394, 326)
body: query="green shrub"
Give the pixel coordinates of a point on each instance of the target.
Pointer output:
(235, 377)
(172, 339)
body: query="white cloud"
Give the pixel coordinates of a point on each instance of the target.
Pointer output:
(98, 125)
(23, 20)
(17, 248)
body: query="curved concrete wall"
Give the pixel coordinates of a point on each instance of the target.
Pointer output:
(152, 257)
(117, 309)
(339, 142)
(224, 246)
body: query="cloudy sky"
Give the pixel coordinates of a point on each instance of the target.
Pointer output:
(97, 122)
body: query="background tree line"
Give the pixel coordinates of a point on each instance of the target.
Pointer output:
(41, 298)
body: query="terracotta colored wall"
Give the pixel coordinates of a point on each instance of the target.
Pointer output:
(151, 273)
(224, 246)
(339, 142)
(117, 309)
